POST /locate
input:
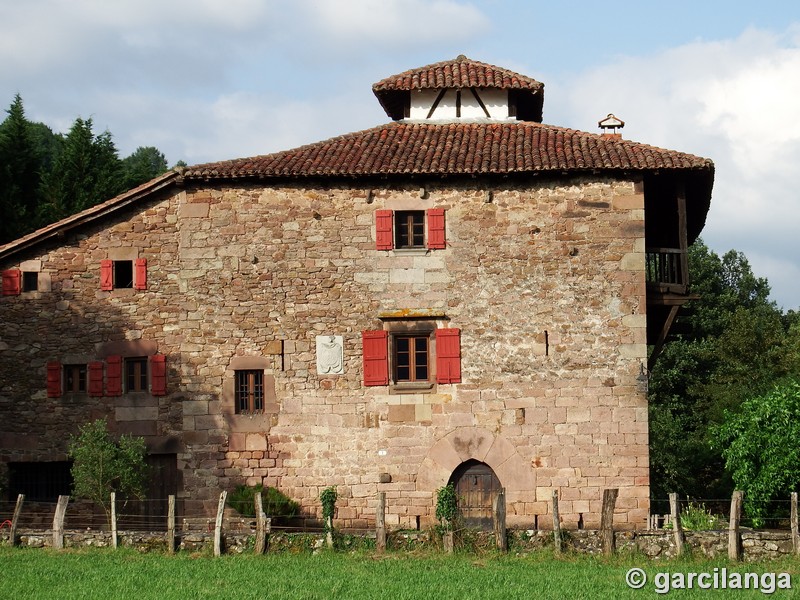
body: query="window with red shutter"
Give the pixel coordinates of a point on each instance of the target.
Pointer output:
(95, 379)
(436, 237)
(106, 275)
(448, 356)
(376, 357)
(384, 229)
(53, 379)
(12, 282)
(114, 376)
(140, 279)
(158, 375)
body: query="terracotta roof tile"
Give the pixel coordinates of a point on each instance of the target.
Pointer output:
(458, 73)
(473, 148)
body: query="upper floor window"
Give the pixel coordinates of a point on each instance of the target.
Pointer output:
(136, 374)
(405, 229)
(249, 391)
(123, 274)
(411, 357)
(30, 281)
(75, 379)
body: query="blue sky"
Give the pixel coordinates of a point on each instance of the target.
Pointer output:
(207, 80)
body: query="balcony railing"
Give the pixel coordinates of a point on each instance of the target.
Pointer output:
(666, 266)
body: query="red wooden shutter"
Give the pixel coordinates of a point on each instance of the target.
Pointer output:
(12, 279)
(114, 376)
(376, 357)
(95, 379)
(53, 379)
(158, 375)
(141, 273)
(448, 356)
(106, 275)
(436, 237)
(384, 229)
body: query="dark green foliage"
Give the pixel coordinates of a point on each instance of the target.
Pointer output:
(447, 506)
(274, 503)
(761, 449)
(143, 165)
(45, 176)
(20, 166)
(738, 344)
(328, 498)
(102, 465)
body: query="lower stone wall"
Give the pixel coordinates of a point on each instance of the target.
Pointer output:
(756, 545)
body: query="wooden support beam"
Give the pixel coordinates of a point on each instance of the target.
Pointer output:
(218, 524)
(557, 543)
(380, 523)
(677, 528)
(734, 546)
(12, 535)
(607, 520)
(499, 520)
(58, 522)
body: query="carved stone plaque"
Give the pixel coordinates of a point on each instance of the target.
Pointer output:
(330, 355)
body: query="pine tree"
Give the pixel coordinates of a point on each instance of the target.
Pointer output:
(20, 166)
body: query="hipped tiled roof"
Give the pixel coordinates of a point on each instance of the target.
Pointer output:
(402, 148)
(459, 73)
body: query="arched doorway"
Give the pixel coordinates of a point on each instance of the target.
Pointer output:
(476, 487)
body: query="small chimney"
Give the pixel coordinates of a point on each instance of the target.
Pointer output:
(609, 125)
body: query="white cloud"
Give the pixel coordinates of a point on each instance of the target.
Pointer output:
(734, 102)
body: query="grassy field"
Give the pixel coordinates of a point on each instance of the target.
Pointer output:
(44, 574)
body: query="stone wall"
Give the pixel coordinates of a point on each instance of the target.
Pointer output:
(545, 282)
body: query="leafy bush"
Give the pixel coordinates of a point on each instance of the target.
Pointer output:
(275, 504)
(447, 507)
(696, 517)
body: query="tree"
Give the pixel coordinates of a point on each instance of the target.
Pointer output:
(736, 344)
(143, 165)
(759, 444)
(101, 465)
(87, 171)
(20, 165)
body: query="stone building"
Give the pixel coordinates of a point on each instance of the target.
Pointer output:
(462, 294)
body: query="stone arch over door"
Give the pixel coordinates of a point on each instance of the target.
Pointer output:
(514, 472)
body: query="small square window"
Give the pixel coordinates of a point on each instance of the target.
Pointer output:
(30, 281)
(75, 379)
(249, 392)
(409, 229)
(123, 274)
(136, 374)
(411, 358)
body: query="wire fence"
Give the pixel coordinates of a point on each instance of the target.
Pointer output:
(699, 513)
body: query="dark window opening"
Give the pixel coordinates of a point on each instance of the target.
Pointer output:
(30, 281)
(409, 229)
(75, 378)
(411, 358)
(39, 481)
(123, 273)
(249, 392)
(136, 374)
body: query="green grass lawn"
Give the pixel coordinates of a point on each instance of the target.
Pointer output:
(105, 573)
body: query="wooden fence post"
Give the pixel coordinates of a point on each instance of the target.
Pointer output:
(15, 519)
(556, 524)
(218, 524)
(499, 517)
(380, 523)
(795, 529)
(114, 539)
(607, 520)
(58, 522)
(261, 526)
(677, 528)
(733, 527)
(171, 525)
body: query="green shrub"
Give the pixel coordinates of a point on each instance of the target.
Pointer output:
(696, 517)
(275, 504)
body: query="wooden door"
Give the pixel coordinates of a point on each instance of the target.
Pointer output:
(476, 487)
